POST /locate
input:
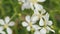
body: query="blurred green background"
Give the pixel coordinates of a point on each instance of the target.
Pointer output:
(12, 8)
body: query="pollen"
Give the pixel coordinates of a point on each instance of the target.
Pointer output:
(30, 24)
(33, 1)
(6, 25)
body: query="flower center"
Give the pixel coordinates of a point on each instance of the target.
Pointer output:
(30, 24)
(6, 25)
(33, 1)
(39, 15)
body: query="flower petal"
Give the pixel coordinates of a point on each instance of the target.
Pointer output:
(31, 5)
(41, 0)
(9, 31)
(34, 19)
(38, 6)
(28, 28)
(25, 6)
(43, 11)
(36, 27)
(7, 19)
(36, 12)
(11, 24)
(36, 32)
(43, 31)
(27, 18)
(41, 22)
(2, 32)
(25, 24)
(1, 28)
(48, 28)
(49, 23)
(2, 22)
(46, 17)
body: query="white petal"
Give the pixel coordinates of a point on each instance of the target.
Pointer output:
(9, 31)
(41, 22)
(25, 6)
(24, 24)
(46, 17)
(1, 28)
(2, 22)
(43, 11)
(36, 32)
(43, 31)
(2, 32)
(38, 7)
(11, 24)
(34, 18)
(28, 28)
(27, 18)
(36, 11)
(36, 27)
(48, 28)
(31, 5)
(49, 23)
(7, 19)
(41, 0)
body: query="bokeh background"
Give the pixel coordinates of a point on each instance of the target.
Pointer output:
(12, 8)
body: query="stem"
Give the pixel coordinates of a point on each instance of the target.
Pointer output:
(31, 30)
(14, 8)
(14, 13)
(3, 12)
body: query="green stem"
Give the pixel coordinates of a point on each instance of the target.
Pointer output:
(2, 9)
(31, 30)
(14, 13)
(14, 8)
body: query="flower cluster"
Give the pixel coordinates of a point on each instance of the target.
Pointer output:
(39, 14)
(39, 22)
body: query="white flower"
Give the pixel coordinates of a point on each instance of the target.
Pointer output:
(5, 24)
(30, 24)
(46, 23)
(46, 20)
(31, 4)
(44, 30)
(36, 16)
(1, 30)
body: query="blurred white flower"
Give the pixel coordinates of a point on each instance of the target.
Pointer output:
(44, 30)
(1, 30)
(30, 24)
(5, 24)
(31, 4)
(39, 16)
(45, 23)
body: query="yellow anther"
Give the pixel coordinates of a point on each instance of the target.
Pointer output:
(30, 24)
(6, 25)
(33, 1)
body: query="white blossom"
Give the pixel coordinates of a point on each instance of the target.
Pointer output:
(29, 24)
(39, 16)
(31, 4)
(5, 24)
